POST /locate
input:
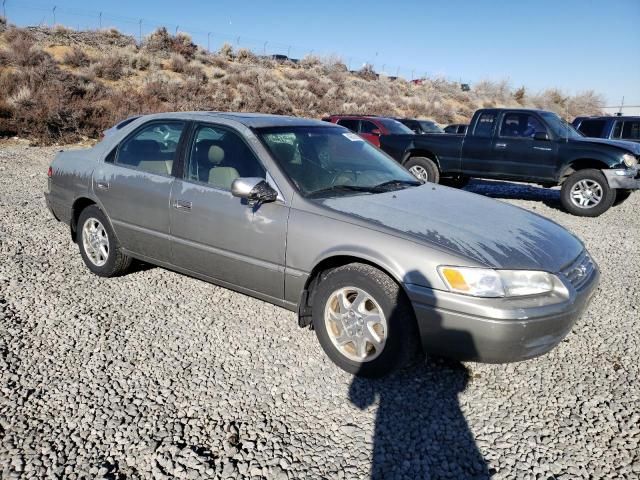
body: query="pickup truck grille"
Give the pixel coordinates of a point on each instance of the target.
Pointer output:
(580, 271)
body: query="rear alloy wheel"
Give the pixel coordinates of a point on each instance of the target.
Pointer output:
(423, 169)
(586, 193)
(98, 244)
(364, 321)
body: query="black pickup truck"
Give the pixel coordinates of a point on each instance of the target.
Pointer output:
(526, 146)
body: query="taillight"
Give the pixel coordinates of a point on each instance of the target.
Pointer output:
(50, 172)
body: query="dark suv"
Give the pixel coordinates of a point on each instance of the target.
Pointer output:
(369, 127)
(615, 128)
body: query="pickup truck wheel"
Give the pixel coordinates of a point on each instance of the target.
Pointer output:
(364, 321)
(423, 169)
(98, 244)
(586, 193)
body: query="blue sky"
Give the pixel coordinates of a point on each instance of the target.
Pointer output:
(575, 45)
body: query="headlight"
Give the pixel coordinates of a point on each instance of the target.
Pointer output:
(484, 282)
(629, 160)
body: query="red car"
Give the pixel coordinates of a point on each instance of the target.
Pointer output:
(370, 127)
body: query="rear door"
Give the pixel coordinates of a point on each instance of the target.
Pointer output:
(370, 132)
(478, 155)
(134, 185)
(216, 234)
(518, 153)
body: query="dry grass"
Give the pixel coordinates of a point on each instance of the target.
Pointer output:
(78, 91)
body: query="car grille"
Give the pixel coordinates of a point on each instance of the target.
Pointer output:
(580, 271)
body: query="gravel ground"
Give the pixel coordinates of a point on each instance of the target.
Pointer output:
(158, 375)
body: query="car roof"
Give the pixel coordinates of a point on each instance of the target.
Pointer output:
(610, 117)
(251, 120)
(369, 117)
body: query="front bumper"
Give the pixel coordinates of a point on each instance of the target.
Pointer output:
(623, 178)
(497, 330)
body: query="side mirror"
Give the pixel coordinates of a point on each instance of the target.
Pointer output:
(541, 136)
(376, 131)
(254, 189)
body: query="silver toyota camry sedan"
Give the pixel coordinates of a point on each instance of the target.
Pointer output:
(308, 216)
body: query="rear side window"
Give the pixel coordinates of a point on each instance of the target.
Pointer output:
(631, 130)
(484, 125)
(152, 149)
(593, 128)
(349, 123)
(521, 125)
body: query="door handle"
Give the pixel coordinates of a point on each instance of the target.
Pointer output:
(501, 145)
(102, 185)
(182, 205)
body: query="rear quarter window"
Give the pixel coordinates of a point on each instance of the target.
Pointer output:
(484, 125)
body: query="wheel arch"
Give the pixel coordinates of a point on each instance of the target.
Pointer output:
(333, 261)
(580, 164)
(421, 153)
(78, 206)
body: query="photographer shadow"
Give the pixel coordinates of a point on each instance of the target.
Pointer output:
(420, 430)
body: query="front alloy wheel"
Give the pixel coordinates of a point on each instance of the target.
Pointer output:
(356, 324)
(363, 320)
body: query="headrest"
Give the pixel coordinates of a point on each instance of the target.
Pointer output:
(215, 155)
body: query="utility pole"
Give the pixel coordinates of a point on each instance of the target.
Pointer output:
(238, 40)
(289, 52)
(412, 72)
(209, 42)
(140, 31)
(398, 72)
(177, 26)
(54, 15)
(264, 48)
(4, 9)
(100, 20)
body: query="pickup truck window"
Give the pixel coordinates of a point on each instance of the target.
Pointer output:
(151, 149)
(522, 125)
(219, 156)
(593, 128)
(559, 127)
(631, 130)
(484, 125)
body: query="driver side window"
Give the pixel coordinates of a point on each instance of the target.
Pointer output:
(152, 149)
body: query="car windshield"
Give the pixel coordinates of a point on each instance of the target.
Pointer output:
(332, 161)
(559, 127)
(395, 127)
(430, 127)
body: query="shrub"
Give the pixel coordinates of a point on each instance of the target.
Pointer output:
(226, 51)
(109, 68)
(177, 63)
(245, 55)
(182, 45)
(76, 58)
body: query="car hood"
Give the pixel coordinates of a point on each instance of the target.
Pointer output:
(483, 230)
(632, 147)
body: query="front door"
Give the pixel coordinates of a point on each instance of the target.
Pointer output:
(518, 153)
(218, 235)
(134, 185)
(370, 132)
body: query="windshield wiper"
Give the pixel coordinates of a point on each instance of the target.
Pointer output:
(340, 189)
(395, 183)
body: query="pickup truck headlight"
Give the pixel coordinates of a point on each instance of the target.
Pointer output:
(629, 160)
(484, 282)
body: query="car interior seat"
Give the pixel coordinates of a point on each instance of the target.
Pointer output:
(220, 176)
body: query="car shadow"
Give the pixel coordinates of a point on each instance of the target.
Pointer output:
(515, 191)
(420, 429)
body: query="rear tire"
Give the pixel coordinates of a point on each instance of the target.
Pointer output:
(586, 193)
(358, 305)
(423, 169)
(98, 244)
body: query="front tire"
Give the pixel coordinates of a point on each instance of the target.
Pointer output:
(424, 169)
(98, 244)
(364, 321)
(586, 193)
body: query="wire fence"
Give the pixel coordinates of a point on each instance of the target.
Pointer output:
(52, 14)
